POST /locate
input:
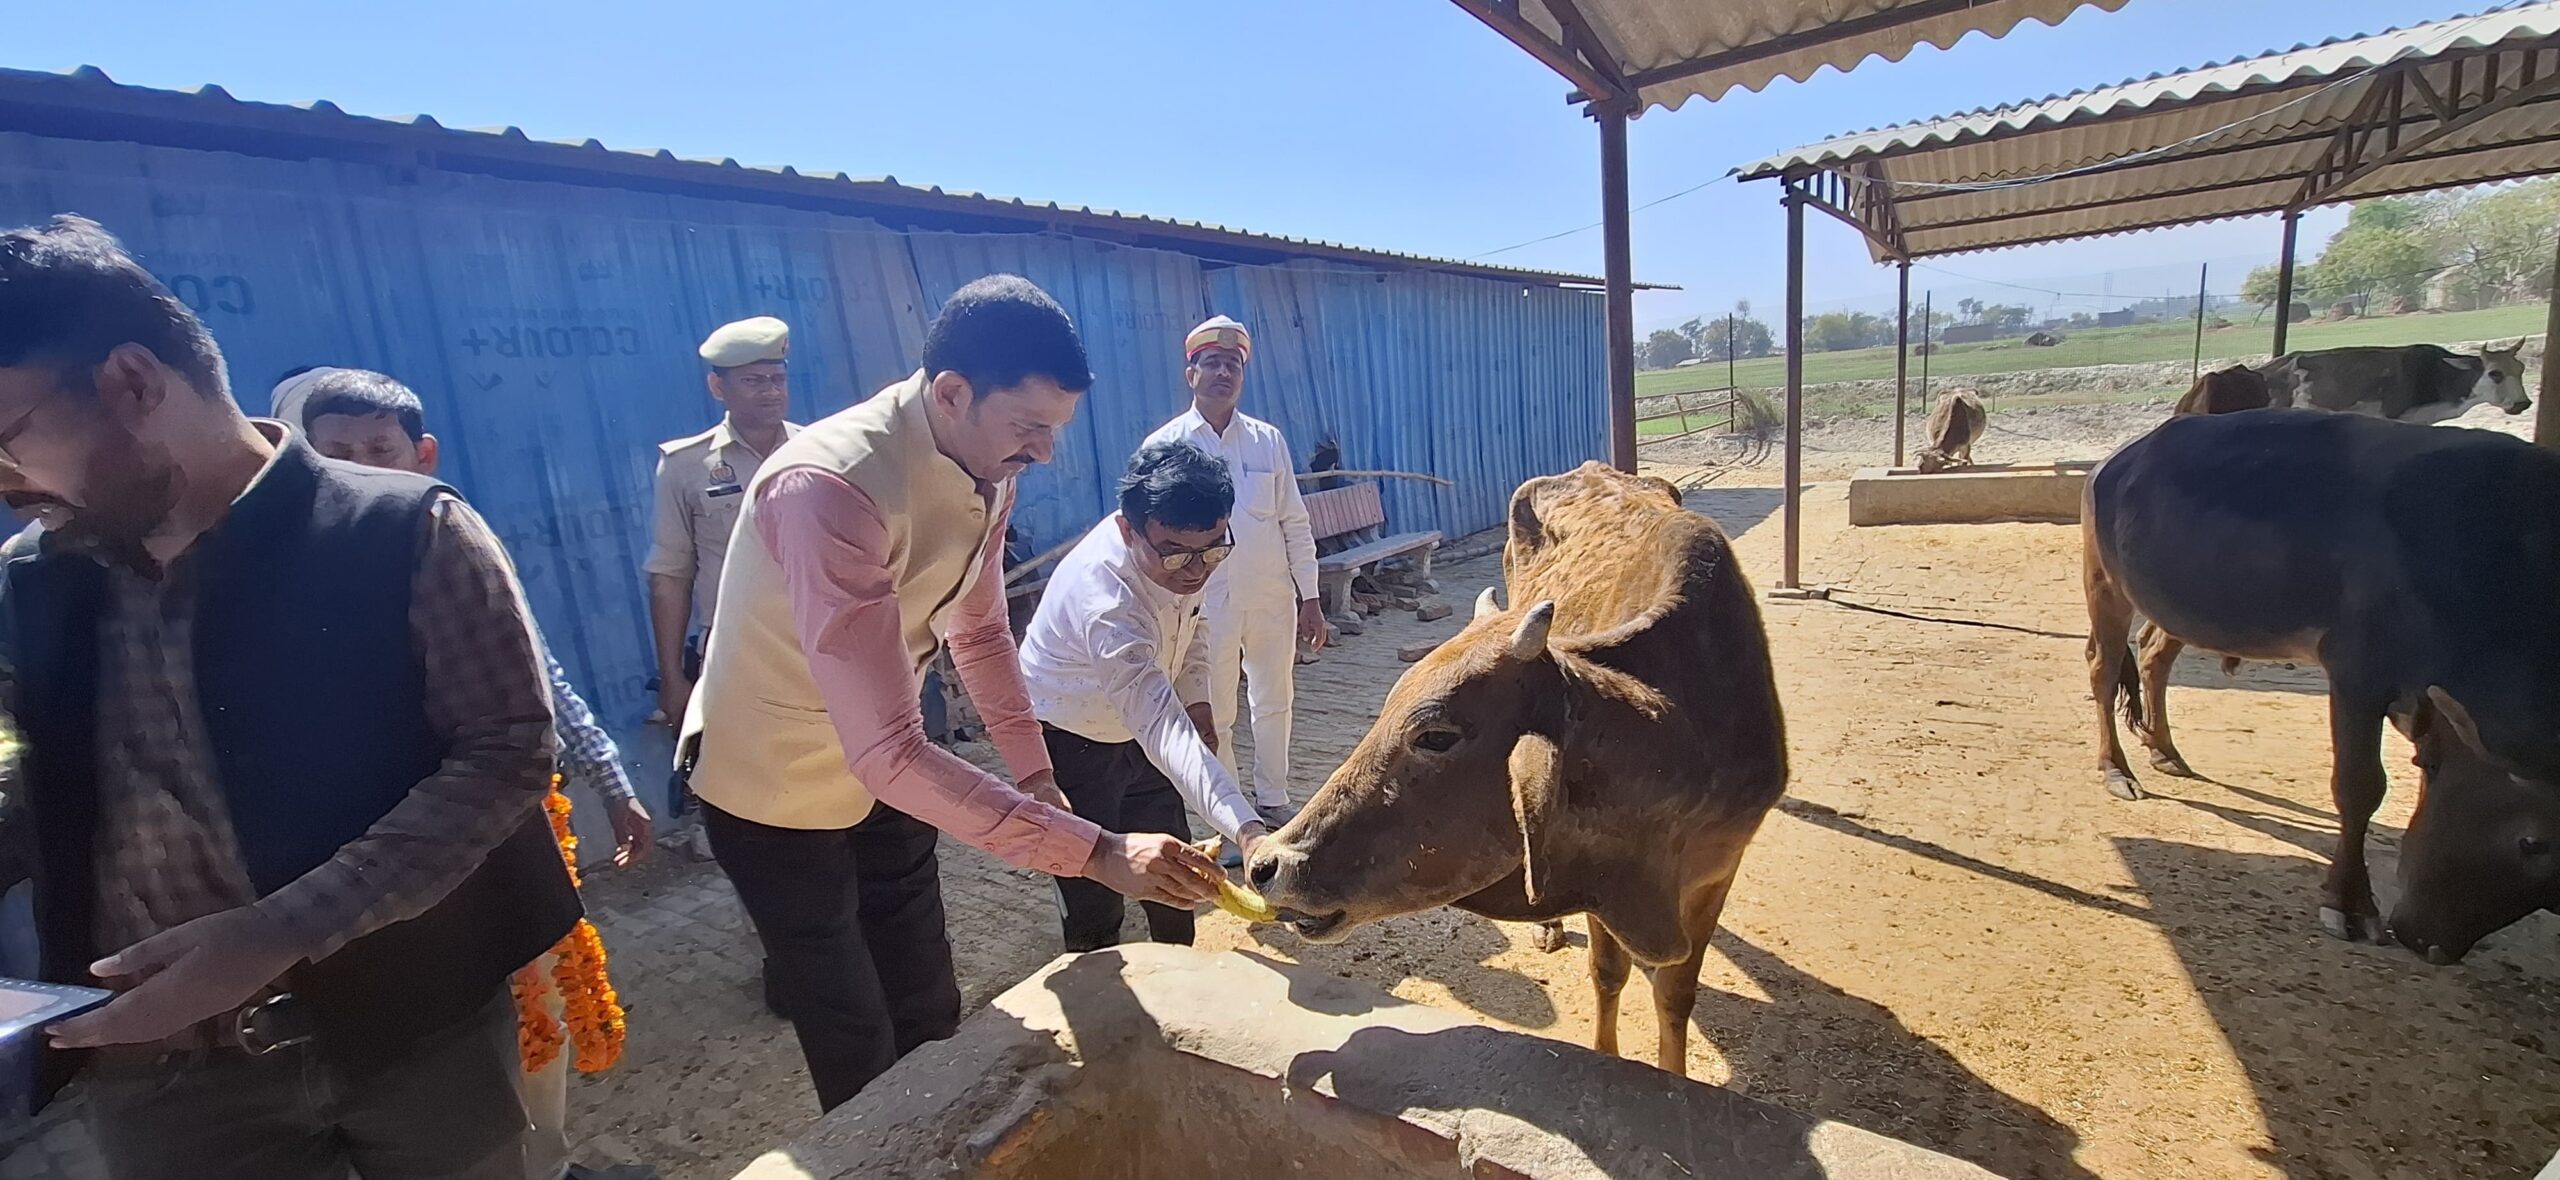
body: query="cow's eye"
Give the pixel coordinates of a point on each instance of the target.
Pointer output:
(2533, 845)
(1437, 741)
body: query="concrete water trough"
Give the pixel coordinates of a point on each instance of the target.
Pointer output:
(1969, 495)
(1155, 1062)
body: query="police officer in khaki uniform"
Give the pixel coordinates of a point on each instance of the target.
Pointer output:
(702, 479)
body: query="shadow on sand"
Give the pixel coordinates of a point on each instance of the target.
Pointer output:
(1736, 510)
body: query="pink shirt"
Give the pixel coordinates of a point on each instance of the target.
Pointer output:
(832, 545)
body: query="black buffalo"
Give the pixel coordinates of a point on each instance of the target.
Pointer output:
(2421, 569)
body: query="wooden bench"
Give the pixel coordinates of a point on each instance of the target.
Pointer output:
(1354, 517)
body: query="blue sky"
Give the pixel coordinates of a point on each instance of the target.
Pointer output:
(1400, 124)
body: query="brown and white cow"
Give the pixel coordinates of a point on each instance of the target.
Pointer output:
(2419, 567)
(1955, 424)
(2417, 383)
(1606, 747)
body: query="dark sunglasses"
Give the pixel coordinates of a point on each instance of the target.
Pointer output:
(1174, 561)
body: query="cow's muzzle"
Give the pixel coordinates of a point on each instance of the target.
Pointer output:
(1316, 928)
(2435, 953)
(1275, 870)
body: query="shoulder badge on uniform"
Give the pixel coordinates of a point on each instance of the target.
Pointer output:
(671, 446)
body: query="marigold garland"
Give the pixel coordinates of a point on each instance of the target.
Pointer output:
(587, 998)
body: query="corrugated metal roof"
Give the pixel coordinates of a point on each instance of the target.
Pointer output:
(2220, 141)
(87, 104)
(1673, 50)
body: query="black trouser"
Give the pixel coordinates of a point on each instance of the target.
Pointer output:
(851, 921)
(446, 1109)
(1115, 786)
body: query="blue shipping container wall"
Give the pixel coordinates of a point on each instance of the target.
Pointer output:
(551, 329)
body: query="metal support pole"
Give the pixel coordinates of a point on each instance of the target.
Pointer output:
(1928, 317)
(2546, 412)
(1621, 298)
(1901, 359)
(2284, 281)
(2195, 364)
(1795, 388)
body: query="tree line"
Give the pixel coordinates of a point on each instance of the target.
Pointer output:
(1744, 336)
(2479, 247)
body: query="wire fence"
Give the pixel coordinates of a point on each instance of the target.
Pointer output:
(2110, 347)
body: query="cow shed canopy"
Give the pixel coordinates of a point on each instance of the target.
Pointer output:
(1624, 57)
(1662, 53)
(2461, 101)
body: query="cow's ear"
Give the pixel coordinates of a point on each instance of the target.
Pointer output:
(2440, 721)
(1537, 792)
(1529, 639)
(1528, 533)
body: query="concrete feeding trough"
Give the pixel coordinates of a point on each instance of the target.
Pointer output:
(1152, 1062)
(1970, 495)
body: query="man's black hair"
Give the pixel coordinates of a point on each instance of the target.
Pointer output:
(70, 294)
(363, 393)
(1177, 485)
(1002, 330)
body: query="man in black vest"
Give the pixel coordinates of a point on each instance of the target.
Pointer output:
(286, 734)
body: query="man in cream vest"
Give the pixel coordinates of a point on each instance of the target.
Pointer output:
(866, 542)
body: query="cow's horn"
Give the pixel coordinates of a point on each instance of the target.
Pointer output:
(1529, 640)
(1486, 604)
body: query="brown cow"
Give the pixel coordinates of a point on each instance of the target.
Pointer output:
(1607, 747)
(2226, 391)
(1955, 424)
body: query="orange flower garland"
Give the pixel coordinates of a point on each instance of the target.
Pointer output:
(595, 1017)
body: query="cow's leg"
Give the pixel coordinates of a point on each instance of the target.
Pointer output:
(2356, 784)
(2159, 653)
(1675, 986)
(2131, 705)
(1609, 966)
(1549, 936)
(2110, 617)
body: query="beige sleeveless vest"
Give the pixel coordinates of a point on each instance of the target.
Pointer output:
(767, 751)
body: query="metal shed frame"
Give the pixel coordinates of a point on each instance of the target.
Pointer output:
(1625, 57)
(2467, 100)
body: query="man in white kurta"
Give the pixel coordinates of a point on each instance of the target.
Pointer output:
(1117, 663)
(1263, 601)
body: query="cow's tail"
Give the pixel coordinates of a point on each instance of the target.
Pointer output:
(2128, 676)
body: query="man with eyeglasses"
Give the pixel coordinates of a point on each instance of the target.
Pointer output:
(1264, 602)
(1117, 660)
(702, 480)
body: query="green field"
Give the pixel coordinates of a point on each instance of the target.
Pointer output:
(2107, 346)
